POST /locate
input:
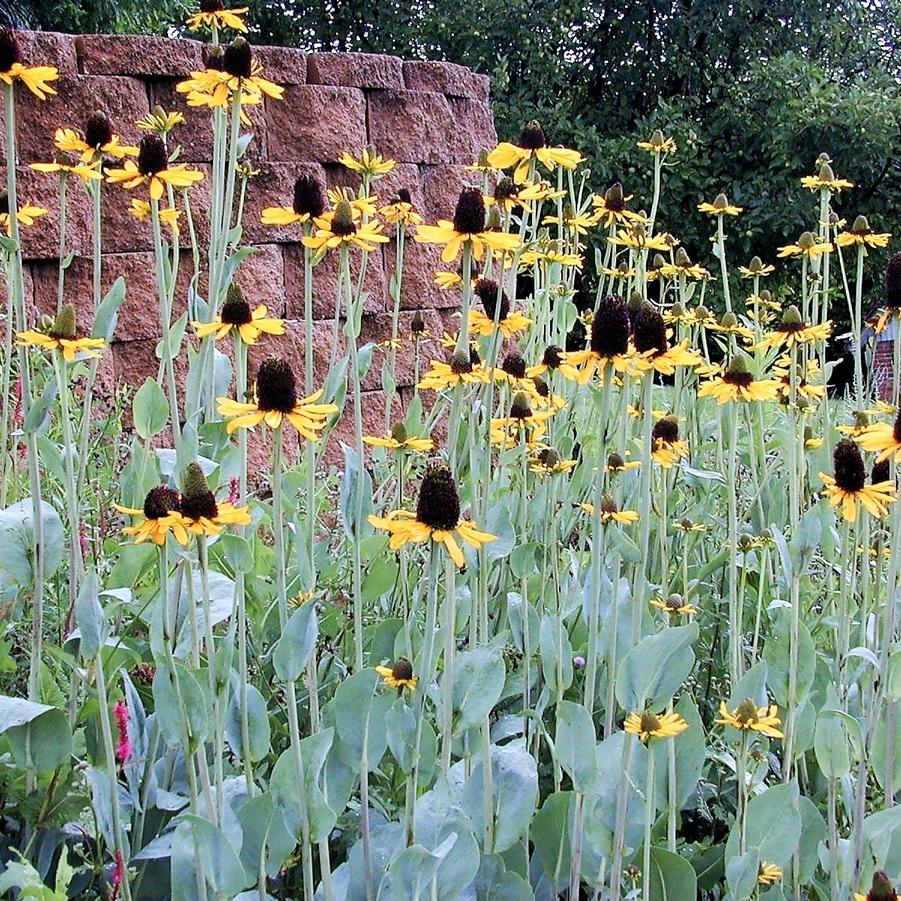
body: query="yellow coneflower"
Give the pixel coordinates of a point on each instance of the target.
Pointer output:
(658, 144)
(547, 461)
(276, 401)
(857, 428)
(848, 484)
(201, 513)
(749, 717)
(141, 209)
(647, 725)
(160, 121)
(549, 253)
(232, 72)
(161, 517)
(398, 439)
(577, 224)
(737, 384)
(769, 873)
(461, 370)
(36, 78)
(687, 525)
(861, 233)
(881, 889)
(674, 605)
(237, 315)
(682, 265)
(720, 207)
(61, 334)
(522, 424)
(610, 208)
(883, 438)
(622, 272)
(807, 246)
(806, 375)
(26, 215)
(756, 269)
(467, 228)
(361, 204)
(652, 344)
(213, 14)
(152, 170)
(701, 317)
(399, 675)
(340, 227)
(553, 359)
(437, 518)
(399, 210)
(729, 324)
(98, 140)
(509, 321)
(309, 203)
(636, 237)
(825, 178)
(447, 280)
(617, 463)
(666, 447)
(608, 343)
(370, 163)
(68, 167)
(793, 330)
(532, 145)
(610, 512)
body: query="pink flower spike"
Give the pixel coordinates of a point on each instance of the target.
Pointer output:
(123, 746)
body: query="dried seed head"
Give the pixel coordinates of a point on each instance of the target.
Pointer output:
(614, 199)
(615, 462)
(850, 472)
(659, 261)
(417, 325)
(64, 325)
(729, 320)
(608, 504)
(10, 52)
(514, 365)
(825, 172)
(720, 202)
(520, 408)
(682, 258)
(160, 501)
(532, 136)
(469, 217)
(152, 156)
(98, 130)
(402, 669)
(309, 199)
(755, 266)
(666, 429)
(235, 310)
(343, 221)
(893, 281)
(276, 386)
(636, 302)
(791, 320)
(197, 501)
(238, 58)
(678, 311)
(551, 357)
(487, 291)
(610, 327)
(766, 296)
(439, 503)
(461, 362)
(649, 331)
(404, 196)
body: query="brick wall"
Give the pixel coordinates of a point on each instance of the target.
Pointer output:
(432, 117)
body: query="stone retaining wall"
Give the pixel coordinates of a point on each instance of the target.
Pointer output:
(432, 117)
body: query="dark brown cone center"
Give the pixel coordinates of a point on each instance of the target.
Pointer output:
(850, 472)
(199, 504)
(469, 217)
(236, 311)
(152, 156)
(276, 386)
(10, 52)
(610, 327)
(308, 197)
(402, 669)
(439, 503)
(666, 430)
(160, 501)
(649, 332)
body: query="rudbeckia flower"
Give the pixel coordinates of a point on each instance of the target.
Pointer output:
(159, 121)
(548, 254)
(749, 717)
(807, 246)
(522, 424)
(825, 178)
(141, 209)
(532, 145)
(617, 463)
(362, 205)
(98, 140)
(152, 170)
(608, 343)
(673, 605)
(636, 237)
(610, 512)
(805, 375)
(883, 438)
(370, 163)
(666, 447)
(861, 233)
(553, 359)
(309, 203)
(334, 229)
(399, 210)
(658, 144)
(682, 265)
(652, 344)
(509, 322)
(237, 315)
(547, 461)
(35, 78)
(756, 269)
(276, 401)
(399, 675)
(437, 518)
(461, 370)
(398, 439)
(847, 486)
(201, 513)
(687, 525)
(768, 873)
(611, 209)
(161, 517)
(720, 207)
(793, 330)
(60, 165)
(213, 14)
(468, 227)
(26, 215)
(881, 889)
(61, 335)
(647, 725)
(737, 384)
